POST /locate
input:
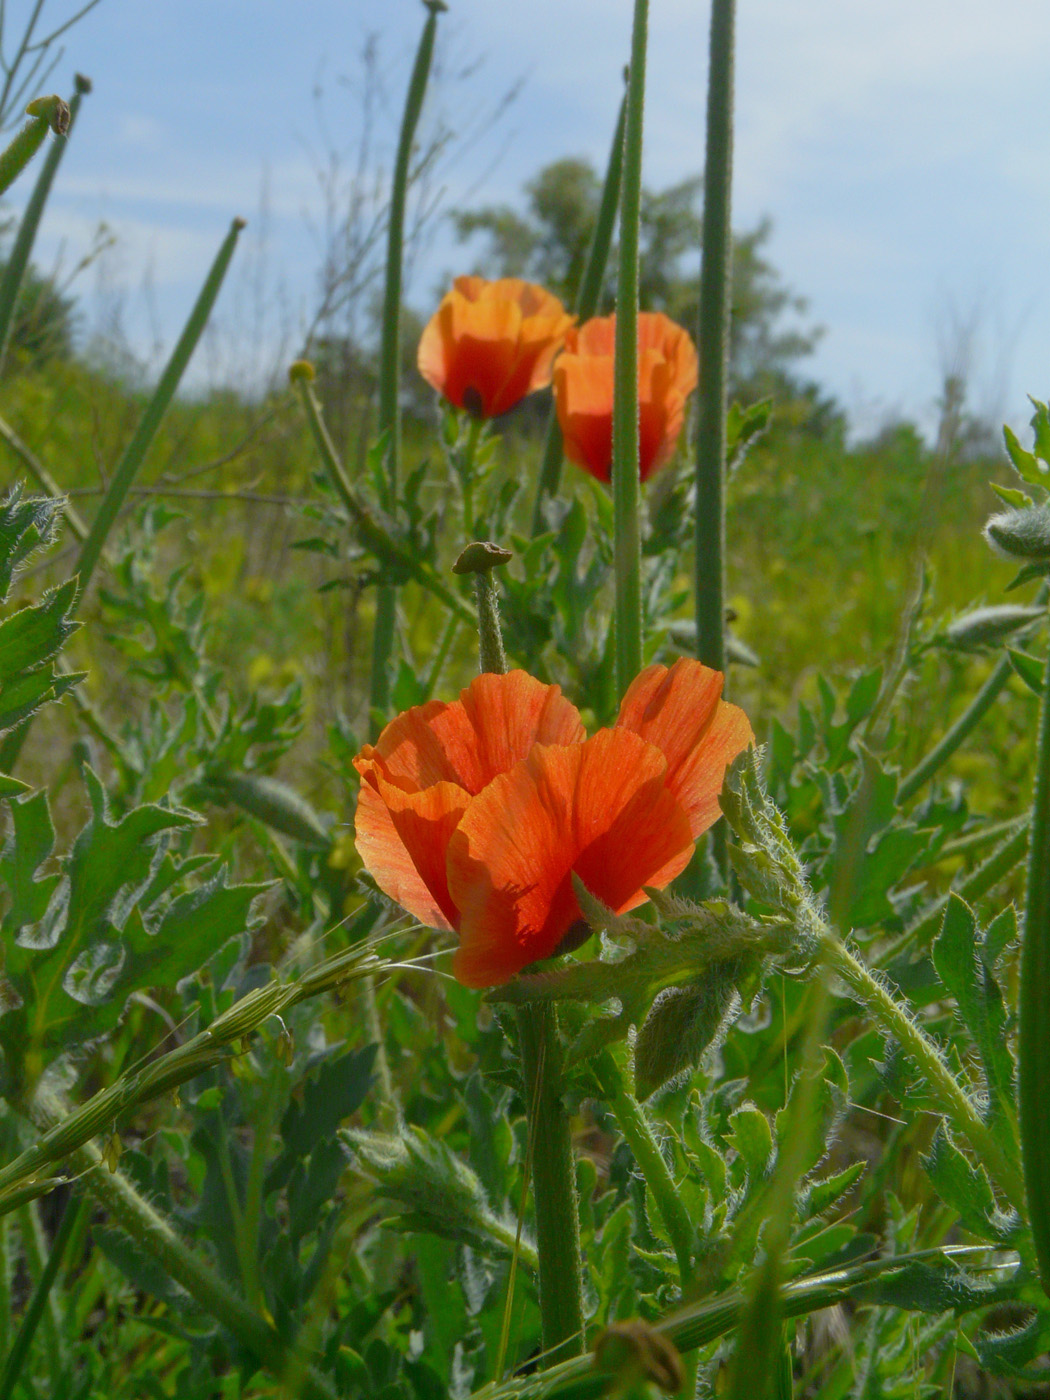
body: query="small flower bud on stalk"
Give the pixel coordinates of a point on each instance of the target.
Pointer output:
(1022, 534)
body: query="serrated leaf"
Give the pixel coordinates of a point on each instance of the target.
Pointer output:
(26, 525)
(982, 1010)
(1040, 424)
(827, 1109)
(117, 918)
(751, 1136)
(1026, 464)
(822, 1195)
(1011, 495)
(1030, 669)
(36, 633)
(964, 1188)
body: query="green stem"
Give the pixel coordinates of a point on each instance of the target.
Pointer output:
(390, 360)
(970, 718)
(34, 1245)
(639, 1136)
(380, 679)
(945, 1089)
(759, 1352)
(45, 114)
(5, 1283)
(448, 636)
(490, 638)
(465, 472)
(135, 452)
(585, 306)
(370, 532)
(713, 337)
(1033, 1057)
(626, 485)
(390, 347)
(77, 1209)
(553, 1184)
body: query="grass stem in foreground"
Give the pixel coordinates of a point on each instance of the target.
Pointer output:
(713, 343)
(626, 486)
(1033, 1050)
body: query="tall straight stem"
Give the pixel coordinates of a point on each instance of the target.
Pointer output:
(626, 487)
(1034, 1015)
(390, 358)
(585, 305)
(713, 336)
(553, 1185)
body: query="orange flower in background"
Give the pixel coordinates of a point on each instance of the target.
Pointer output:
(491, 343)
(474, 815)
(583, 391)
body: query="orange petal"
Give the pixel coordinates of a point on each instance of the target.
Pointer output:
(681, 712)
(601, 809)
(583, 398)
(402, 839)
(492, 726)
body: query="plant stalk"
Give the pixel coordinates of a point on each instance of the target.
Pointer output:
(553, 1184)
(949, 1095)
(585, 305)
(1033, 1057)
(370, 531)
(385, 630)
(626, 486)
(135, 452)
(713, 343)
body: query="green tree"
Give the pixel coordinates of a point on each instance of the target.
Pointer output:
(548, 238)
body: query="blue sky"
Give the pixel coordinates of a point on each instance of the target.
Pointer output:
(901, 150)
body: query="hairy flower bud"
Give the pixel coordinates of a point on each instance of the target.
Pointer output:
(1021, 534)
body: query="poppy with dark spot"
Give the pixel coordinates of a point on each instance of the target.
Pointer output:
(489, 344)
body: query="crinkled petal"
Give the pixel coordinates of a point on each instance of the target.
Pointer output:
(680, 711)
(402, 839)
(492, 726)
(601, 809)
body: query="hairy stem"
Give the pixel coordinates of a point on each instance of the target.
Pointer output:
(553, 1184)
(949, 1095)
(1033, 1058)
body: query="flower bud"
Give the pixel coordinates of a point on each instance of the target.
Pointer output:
(989, 626)
(1021, 534)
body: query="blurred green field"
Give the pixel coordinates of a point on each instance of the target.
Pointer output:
(826, 543)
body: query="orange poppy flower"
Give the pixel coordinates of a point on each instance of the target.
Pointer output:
(583, 391)
(475, 815)
(491, 343)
